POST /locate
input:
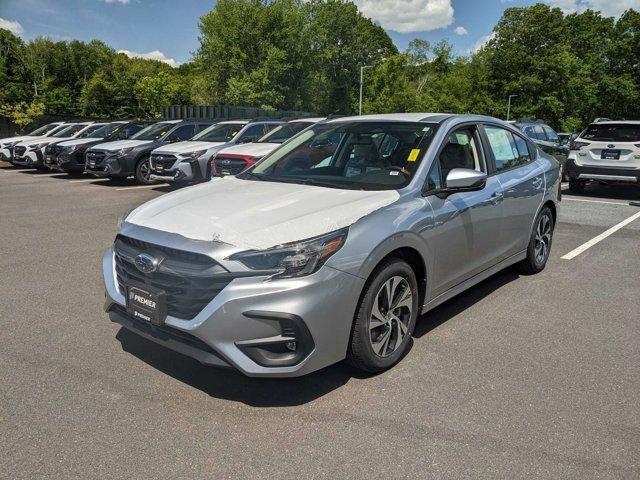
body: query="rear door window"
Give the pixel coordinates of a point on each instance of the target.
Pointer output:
(509, 150)
(612, 132)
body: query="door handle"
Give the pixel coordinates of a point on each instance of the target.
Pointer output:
(496, 198)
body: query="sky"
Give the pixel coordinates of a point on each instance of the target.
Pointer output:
(167, 30)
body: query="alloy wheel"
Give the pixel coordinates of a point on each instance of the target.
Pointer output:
(390, 316)
(145, 171)
(543, 239)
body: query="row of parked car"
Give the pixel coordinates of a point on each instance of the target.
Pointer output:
(190, 151)
(185, 151)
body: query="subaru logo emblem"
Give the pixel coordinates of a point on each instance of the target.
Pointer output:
(226, 162)
(610, 146)
(146, 263)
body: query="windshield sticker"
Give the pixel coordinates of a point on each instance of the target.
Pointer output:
(413, 155)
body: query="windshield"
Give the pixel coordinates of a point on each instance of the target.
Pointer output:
(282, 133)
(219, 133)
(90, 131)
(612, 132)
(358, 155)
(153, 132)
(106, 130)
(70, 131)
(38, 132)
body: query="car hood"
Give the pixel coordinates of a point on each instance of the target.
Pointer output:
(16, 139)
(45, 140)
(263, 214)
(120, 144)
(252, 149)
(186, 147)
(79, 141)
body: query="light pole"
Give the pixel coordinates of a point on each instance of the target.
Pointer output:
(361, 81)
(509, 107)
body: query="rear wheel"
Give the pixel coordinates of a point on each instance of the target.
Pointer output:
(385, 318)
(576, 186)
(539, 243)
(143, 171)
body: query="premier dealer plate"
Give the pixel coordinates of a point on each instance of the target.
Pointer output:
(147, 303)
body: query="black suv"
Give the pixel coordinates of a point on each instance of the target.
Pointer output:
(68, 156)
(546, 138)
(123, 158)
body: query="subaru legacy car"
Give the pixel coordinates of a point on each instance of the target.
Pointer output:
(189, 161)
(233, 160)
(331, 246)
(606, 152)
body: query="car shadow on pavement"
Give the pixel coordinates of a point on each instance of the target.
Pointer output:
(228, 384)
(231, 385)
(622, 192)
(463, 301)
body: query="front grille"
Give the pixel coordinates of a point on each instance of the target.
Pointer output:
(190, 280)
(231, 166)
(19, 150)
(165, 162)
(97, 157)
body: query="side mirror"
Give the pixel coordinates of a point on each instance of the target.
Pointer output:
(465, 180)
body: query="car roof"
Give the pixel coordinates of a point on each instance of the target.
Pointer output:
(415, 117)
(308, 120)
(617, 122)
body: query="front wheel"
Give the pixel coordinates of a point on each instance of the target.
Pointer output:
(539, 244)
(143, 172)
(385, 318)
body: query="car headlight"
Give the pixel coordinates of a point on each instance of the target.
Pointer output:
(70, 148)
(294, 259)
(124, 151)
(122, 219)
(36, 146)
(195, 154)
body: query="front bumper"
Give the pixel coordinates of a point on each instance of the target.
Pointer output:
(112, 165)
(31, 158)
(250, 308)
(65, 162)
(612, 174)
(181, 171)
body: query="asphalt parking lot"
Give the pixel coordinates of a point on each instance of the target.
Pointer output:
(520, 377)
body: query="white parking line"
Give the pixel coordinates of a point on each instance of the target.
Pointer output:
(593, 201)
(135, 187)
(88, 180)
(582, 248)
(7, 170)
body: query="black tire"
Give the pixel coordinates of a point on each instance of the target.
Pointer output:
(576, 186)
(536, 260)
(143, 172)
(361, 354)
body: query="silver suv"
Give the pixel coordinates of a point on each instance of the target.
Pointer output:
(331, 246)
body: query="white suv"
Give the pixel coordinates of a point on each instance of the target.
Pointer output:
(606, 151)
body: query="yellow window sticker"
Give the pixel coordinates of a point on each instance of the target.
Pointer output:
(413, 155)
